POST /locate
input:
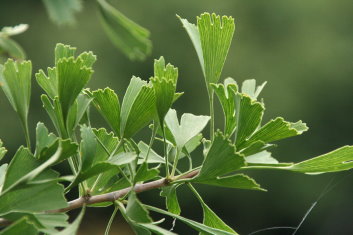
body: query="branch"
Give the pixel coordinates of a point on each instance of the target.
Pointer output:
(112, 196)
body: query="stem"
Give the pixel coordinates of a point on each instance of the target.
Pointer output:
(154, 132)
(211, 98)
(111, 221)
(175, 161)
(26, 130)
(165, 153)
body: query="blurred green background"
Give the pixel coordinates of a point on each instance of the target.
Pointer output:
(304, 49)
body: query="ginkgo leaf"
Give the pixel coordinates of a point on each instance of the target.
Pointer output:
(107, 103)
(126, 35)
(190, 126)
(153, 157)
(238, 181)
(3, 150)
(171, 199)
(44, 139)
(77, 111)
(210, 218)
(164, 86)
(21, 226)
(211, 38)
(74, 226)
(136, 211)
(63, 51)
(138, 107)
(144, 173)
(193, 224)
(263, 157)
(221, 159)
(276, 129)
(11, 48)
(248, 117)
(11, 31)
(55, 113)
(249, 87)
(226, 95)
(88, 147)
(15, 81)
(63, 11)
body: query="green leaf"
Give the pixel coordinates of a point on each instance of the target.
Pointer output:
(88, 147)
(77, 112)
(211, 38)
(190, 126)
(248, 115)
(107, 103)
(276, 129)
(153, 157)
(48, 83)
(221, 159)
(73, 228)
(72, 77)
(239, 181)
(55, 113)
(3, 150)
(63, 51)
(33, 198)
(263, 157)
(193, 224)
(338, 160)
(22, 226)
(171, 199)
(164, 86)
(138, 107)
(249, 88)
(210, 218)
(12, 48)
(52, 221)
(144, 173)
(136, 211)
(15, 80)
(126, 35)
(44, 139)
(63, 11)
(226, 95)
(3, 169)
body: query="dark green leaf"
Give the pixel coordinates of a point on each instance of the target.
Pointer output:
(136, 211)
(22, 226)
(144, 173)
(73, 228)
(88, 147)
(171, 199)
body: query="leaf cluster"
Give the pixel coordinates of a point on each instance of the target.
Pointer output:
(109, 167)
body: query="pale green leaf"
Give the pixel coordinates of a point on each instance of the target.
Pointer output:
(48, 83)
(63, 11)
(138, 107)
(144, 173)
(239, 181)
(52, 221)
(107, 103)
(155, 229)
(126, 35)
(74, 226)
(63, 51)
(153, 157)
(190, 126)
(21, 226)
(15, 80)
(263, 157)
(249, 87)
(11, 31)
(3, 150)
(55, 113)
(77, 112)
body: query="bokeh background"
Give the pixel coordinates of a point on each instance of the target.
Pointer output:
(304, 49)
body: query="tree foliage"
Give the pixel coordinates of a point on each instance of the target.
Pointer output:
(109, 167)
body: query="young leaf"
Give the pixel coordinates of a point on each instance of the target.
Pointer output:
(211, 38)
(3, 150)
(275, 130)
(107, 103)
(153, 157)
(11, 48)
(126, 35)
(238, 181)
(249, 87)
(226, 95)
(44, 139)
(21, 226)
(138, 107)
(190, 126)
(63, 51)
(63, 11)
(263, 157)
(77, 112)
(136, 211)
